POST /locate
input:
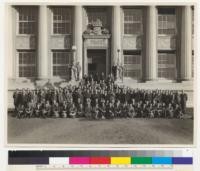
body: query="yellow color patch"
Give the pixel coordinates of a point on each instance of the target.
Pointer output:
(120, 160)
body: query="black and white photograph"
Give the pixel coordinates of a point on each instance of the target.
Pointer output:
(100, 73)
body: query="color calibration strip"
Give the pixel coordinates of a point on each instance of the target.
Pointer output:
(101, 160)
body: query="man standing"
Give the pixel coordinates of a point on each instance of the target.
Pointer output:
(183, 97)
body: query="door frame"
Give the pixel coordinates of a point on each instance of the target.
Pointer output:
(85, 60)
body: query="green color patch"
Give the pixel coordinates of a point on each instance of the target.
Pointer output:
(141, 160)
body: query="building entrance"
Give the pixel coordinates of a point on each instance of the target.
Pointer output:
(96, 61)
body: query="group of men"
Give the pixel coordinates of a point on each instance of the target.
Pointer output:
(99, 98)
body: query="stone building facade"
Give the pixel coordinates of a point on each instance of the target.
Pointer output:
(153, 43)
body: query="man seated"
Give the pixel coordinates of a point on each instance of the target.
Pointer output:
(37, 110)
(72, 110)
(139, 109)
(102, 109)
(170, 111)
(95, 111)
(88, 108)
(178, 112)
(146, 111)
(55, 109)
(29, 110)
(118, 109)
(47, 109)
(20, 111)
(152, 111)
(131, 111)
(109, 111)
(163, 110)
(79, 108)
(63, 109)
(159, 110)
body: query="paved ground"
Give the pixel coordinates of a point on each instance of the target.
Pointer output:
(118, 131)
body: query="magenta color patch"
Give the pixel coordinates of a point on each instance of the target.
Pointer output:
(79, 160)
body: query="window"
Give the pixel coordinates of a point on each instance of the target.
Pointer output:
(27, 17)
(61, 63)
(27, 63)
(167, 64)
(95, 14)
(166, 21)
(62, 20)
(132, 21)
(132, 64)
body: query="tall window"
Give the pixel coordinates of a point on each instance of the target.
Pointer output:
(166, 21)
(132, 64)
(62, 23)
(27, 18)
(166, 64)
(133, 21)
(95, 14)
(27, 63)
(167, 57)
(61, 63)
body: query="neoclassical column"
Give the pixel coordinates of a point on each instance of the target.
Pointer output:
(186, 43)
(78, 36)
(43, 43)
(151, 43)
(10, 50)
(116, 35)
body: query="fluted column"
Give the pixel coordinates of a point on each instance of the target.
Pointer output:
(151, 43)
(43, 43)
(116, 35)
(186, 43)
(78, 36)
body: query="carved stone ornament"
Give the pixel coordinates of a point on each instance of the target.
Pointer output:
(96, 28)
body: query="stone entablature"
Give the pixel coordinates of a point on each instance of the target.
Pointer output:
(96, 41)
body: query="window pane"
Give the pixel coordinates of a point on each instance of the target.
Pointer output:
(62, 20)
(27, 20)
(167, 21)
(133, 21)
(167, 65)
(27, 64)
(61, 63)
(132, 64)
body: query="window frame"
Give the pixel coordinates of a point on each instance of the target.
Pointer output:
(135, 67)
(65, 22)
(166, 21)
(132, 22)
(52, 63)
(27, 8)
(168, 66)
(26, 65)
